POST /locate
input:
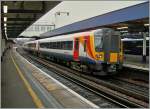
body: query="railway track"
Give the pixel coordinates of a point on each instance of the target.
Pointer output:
(132, 81)
(141, 90)
(112, 92)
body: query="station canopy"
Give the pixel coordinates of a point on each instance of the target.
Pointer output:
(19, 15)
(134, 19)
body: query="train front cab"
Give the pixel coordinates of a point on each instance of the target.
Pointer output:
(107, 51)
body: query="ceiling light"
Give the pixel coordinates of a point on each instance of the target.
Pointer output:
(5, 19)
(122, 28)
(5, 28)
(147, 24)
(5, 24)
(5, 9)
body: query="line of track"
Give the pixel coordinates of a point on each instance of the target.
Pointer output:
(126, 99)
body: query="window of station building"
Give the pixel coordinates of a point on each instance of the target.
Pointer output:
(36, 28)
(31, 28)
(42, 28)
(48, 28)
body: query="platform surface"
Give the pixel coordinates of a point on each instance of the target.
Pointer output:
(14, 94)
(51, 92)
(135, 61)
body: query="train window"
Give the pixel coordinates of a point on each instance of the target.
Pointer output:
(53, 45)
(57, 43)
(70, 45)
(50, 45)
(47, 44)
(65, 45)
(98, 42)
(61, 45)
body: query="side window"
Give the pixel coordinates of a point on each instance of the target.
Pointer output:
(63, 45)
(50, 45)
(69, 45)
(58, 45)
(47, 45)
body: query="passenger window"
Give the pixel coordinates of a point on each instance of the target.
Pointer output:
(69, 45)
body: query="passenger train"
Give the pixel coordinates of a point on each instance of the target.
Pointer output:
(98, 51)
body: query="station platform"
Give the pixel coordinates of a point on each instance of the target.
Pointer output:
(135, 61)
(26, 86)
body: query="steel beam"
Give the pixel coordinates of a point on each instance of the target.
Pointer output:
(24, 11)
(21, 19)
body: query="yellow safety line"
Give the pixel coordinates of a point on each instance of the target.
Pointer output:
(35, 98)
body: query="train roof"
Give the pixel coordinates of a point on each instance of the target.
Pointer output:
(70, 36)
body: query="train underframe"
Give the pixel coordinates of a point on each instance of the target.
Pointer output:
(101, 69)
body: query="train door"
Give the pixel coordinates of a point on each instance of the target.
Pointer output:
(85, 46)
(76, 49)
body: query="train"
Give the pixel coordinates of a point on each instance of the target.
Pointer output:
(97, 51)
(134, 46)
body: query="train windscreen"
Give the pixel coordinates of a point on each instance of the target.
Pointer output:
(98, 41)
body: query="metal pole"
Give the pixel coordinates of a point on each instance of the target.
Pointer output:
(144, 48)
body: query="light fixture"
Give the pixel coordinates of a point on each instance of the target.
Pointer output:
(5, 19)
(122, 28)
(5, 24)
(147, 24)
(5, 8)
(5, 28)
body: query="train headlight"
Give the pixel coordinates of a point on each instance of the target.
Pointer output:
(98, 56)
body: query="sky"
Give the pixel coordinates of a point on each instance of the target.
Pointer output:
(78, 11)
